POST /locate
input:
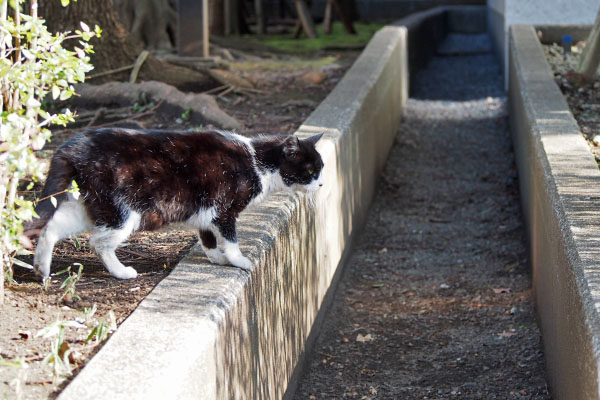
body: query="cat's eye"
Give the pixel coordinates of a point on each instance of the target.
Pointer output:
(311, 171)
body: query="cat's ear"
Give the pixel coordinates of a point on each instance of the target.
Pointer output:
(291, 146)
(314, 139)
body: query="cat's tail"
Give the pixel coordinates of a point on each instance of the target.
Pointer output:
(59, 180)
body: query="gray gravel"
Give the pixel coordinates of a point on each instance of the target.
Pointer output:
(436, 300)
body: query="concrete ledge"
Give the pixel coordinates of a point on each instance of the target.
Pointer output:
(559, 183)
(215, 332)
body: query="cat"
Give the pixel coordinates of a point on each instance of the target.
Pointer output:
(132, 180)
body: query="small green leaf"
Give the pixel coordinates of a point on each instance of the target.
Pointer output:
(53, 201)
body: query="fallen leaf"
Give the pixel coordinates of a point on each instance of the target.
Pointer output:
(505, 334)
(366, 338)
(384, 250)
(501, 290)
(314, 77)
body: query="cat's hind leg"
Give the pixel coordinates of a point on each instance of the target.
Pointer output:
(69, 219)
(231, 249)
(106, 240)
(211, 248)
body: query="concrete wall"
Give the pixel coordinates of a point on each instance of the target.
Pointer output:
(504, 13)
(559, 183)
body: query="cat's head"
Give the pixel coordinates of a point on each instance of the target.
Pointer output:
(301, 164)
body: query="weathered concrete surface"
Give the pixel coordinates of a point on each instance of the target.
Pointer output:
(559, 188)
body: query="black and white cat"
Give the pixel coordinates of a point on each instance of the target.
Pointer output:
(143, 179)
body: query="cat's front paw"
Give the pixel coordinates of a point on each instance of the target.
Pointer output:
(216, 257)
(125, 273)
(242, 262)
(42, 272)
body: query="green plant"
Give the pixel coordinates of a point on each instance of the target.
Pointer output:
(58, 357)
(103, 328)
(33, 64)
(185, 116)
(69, 283)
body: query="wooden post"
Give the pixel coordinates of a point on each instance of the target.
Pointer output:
(306, 19)
(205, 30)
(260, 17)
(328, 17)
(232, 23)
(590, 58)
(346, 20)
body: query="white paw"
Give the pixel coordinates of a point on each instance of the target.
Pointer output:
(216, 257)
(125, 273)
(242, 262)
(42, 271)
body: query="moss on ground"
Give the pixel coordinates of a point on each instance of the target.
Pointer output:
(337, 39)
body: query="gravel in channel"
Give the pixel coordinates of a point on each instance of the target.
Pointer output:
(436, 300)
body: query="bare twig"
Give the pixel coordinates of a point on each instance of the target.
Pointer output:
(138, 64)
(111, 72)
(96, 116)
(216, 89)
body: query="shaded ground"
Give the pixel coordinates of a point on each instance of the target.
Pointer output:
(286, 92)
(583, 99)
(436, 301)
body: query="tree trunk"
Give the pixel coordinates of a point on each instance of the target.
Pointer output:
(117, 48)
(216, 17)
(261, 26)
(590, 58)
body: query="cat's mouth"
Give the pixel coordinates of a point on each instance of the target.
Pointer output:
(310, 188)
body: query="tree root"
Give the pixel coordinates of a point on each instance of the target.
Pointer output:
(203, 108)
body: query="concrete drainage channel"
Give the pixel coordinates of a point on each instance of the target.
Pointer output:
(559, 189)
(213, 332)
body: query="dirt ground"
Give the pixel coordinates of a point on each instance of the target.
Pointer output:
(288, 89)
(436, 300)
(584, 99)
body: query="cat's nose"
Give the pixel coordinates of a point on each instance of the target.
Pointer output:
(320, 185)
